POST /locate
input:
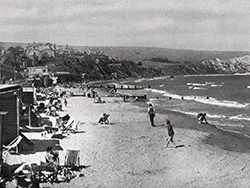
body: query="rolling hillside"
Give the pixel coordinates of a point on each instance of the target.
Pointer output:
(144, 53)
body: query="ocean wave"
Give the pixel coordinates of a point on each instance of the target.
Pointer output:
(196, 84)
(213, 101)
(156, 91)
(216, 116)
(194, 114)
(214, 85)
(242, 74)
(201, 99)
(240, 117)
(209, 84)
(199, 88)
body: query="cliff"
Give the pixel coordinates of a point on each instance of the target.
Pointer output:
(212, 66)
(97, 65)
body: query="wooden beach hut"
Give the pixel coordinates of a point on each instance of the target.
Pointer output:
(10, 96)
(9, 102)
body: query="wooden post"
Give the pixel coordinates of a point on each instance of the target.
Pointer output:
(29, 115)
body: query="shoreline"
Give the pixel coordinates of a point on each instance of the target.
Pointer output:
(213, 129)
(128, 152)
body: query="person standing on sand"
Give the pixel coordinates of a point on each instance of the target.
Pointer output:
(170, 133)
(151, 114)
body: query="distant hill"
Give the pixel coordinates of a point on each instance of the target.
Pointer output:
(146, 53)
(104, 63)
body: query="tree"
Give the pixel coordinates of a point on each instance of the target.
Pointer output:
(139, 63)
(15, 56)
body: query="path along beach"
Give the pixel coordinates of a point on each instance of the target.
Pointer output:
(128, 152)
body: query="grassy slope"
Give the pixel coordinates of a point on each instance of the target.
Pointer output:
(143, 53)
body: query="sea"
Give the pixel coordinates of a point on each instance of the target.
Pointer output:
(224, 98)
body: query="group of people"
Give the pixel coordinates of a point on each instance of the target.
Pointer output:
(170, 131)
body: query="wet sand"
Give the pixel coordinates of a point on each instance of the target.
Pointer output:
(130, 153)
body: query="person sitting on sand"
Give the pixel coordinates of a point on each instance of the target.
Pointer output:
(104, 119)
(151, 114)
(202, 118)
(170, 133)
(51, 158)
(99, 100)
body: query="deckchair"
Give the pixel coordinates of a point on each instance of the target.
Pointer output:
(72, 126)
(13, 144)
(72, 158)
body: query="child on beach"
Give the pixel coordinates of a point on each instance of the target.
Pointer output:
(170, 133)
(202, 118)
(104, 119)
(151, 114)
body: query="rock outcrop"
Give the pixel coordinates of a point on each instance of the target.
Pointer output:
(213, 66)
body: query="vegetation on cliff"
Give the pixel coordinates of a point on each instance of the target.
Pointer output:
(95, 66)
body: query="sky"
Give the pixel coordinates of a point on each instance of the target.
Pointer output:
(181, 24)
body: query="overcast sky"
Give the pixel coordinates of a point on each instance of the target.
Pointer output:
(182, 24)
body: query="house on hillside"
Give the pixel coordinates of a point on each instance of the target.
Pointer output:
(37, 71)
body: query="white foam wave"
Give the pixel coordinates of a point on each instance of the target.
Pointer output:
(214, 85)
(194, 114)
(196, 84)
(216, 116)
(199, 88)
(156, 90)
(201, 99)
(240, 117)
(242, 74)
(213, 101)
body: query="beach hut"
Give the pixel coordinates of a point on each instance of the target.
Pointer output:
(9, 102)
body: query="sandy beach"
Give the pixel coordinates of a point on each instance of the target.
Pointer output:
(130, 153)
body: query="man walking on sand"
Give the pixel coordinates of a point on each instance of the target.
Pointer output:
(151, 114)
(170, 133)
